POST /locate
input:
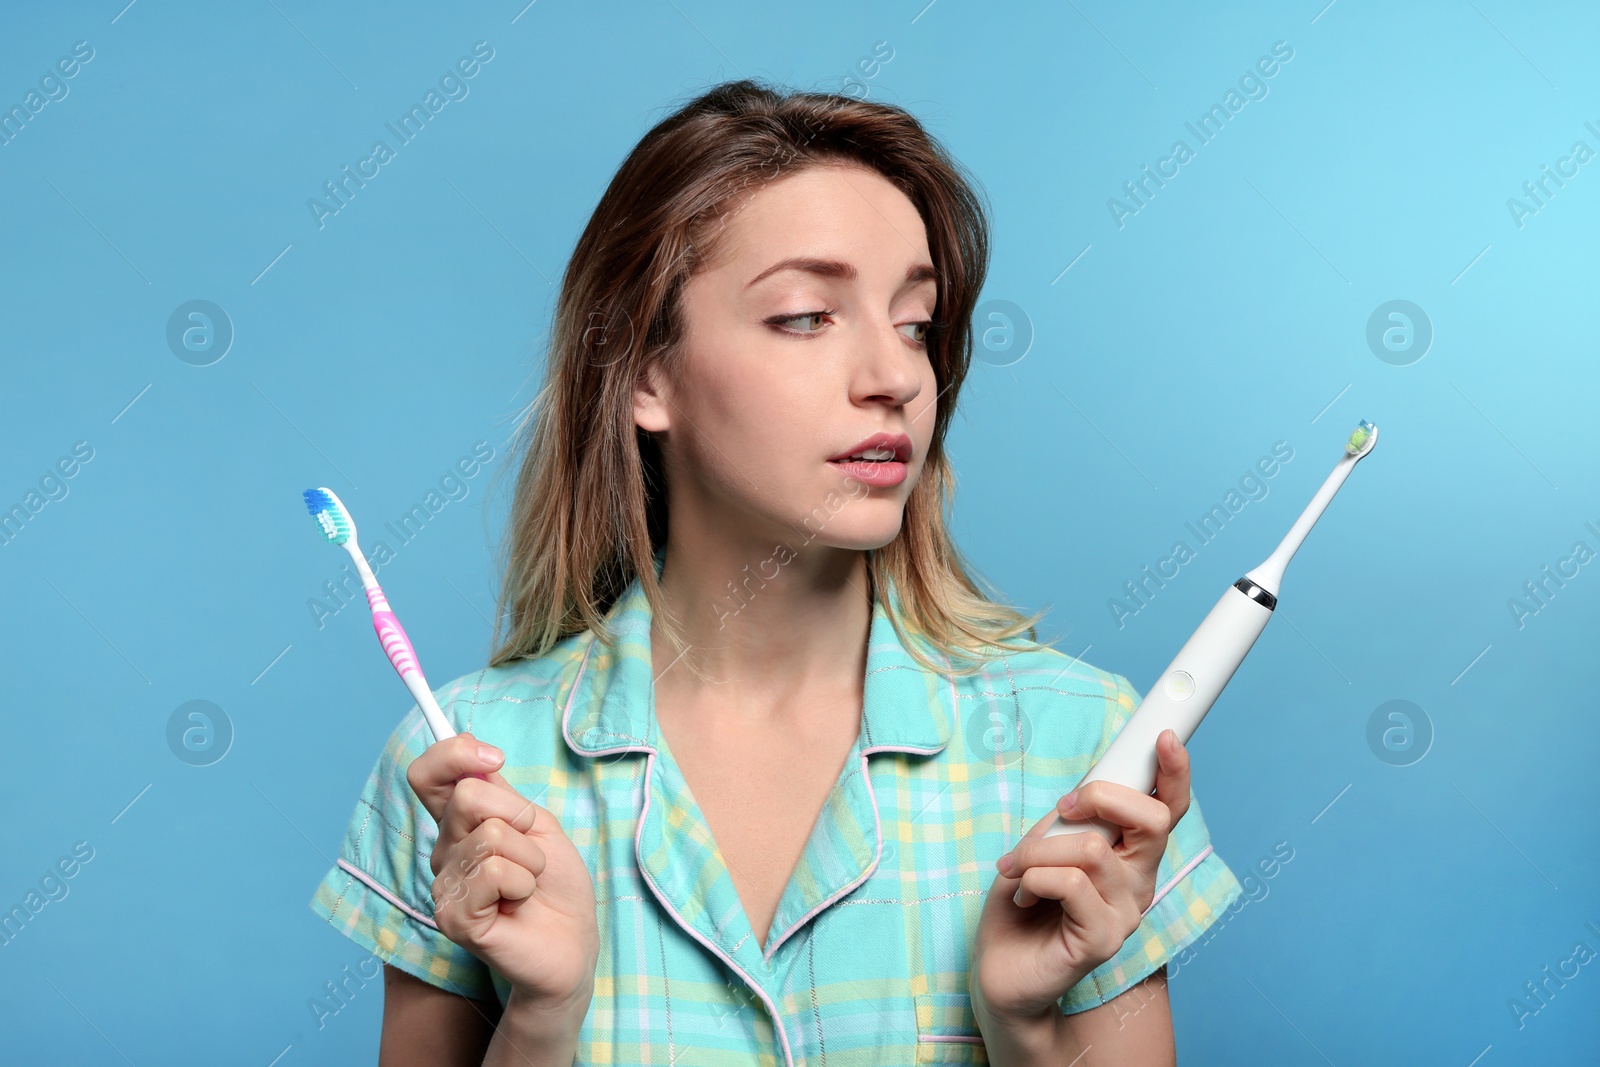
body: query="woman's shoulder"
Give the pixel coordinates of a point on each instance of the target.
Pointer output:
(504, 704)
(1063, 706)
(1045, 669)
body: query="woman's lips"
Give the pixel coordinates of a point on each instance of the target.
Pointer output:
(876, 473)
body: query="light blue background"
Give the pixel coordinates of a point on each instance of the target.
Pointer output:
(1229, 313)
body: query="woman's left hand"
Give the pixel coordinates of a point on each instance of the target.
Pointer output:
(1082, 897)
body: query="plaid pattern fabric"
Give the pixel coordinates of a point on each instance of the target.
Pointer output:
(867, 955)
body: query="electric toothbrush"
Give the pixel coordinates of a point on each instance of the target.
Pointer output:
(1203, 666)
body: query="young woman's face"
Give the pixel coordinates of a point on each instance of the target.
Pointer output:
(788, 365)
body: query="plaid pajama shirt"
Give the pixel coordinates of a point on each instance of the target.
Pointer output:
(867, 956)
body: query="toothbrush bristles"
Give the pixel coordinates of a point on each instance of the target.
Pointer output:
(324, 507)
(1359, 438)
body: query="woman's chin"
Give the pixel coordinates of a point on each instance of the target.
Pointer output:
(860, 536)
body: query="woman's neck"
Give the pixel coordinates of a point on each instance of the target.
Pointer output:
(772, 633)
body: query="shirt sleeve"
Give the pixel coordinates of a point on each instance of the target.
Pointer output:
(379, 891)
(1193, 888)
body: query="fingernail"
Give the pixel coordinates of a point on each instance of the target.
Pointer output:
(1005, 864)
(1016, 898)
(1069, 803)
(489, 754)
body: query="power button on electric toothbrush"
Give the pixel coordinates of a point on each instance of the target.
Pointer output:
(1180, 685)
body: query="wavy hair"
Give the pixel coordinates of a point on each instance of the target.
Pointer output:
(589, 509)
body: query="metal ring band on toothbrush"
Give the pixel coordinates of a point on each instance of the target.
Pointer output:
(1256, 593)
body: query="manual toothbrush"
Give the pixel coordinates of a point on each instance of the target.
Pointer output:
(340, 529)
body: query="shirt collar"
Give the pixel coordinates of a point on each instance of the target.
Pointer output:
(905, 706)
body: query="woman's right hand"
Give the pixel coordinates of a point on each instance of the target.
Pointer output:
(510, 887)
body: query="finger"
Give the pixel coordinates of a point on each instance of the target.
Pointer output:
(1087, 851)
(433, 775)
(1106, 864)
(494, 837)
(480, 891)
(1139, 817)
(523, 851)
(1077, 896)
(473, 801)
(1036, 832)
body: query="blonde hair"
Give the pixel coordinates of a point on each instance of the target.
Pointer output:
(589, 509)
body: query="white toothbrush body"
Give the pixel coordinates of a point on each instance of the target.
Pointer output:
(1179, 699)
(1190, 685)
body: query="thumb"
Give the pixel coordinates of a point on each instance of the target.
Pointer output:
(1172, 774)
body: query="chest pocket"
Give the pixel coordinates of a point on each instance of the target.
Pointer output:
(947, 1031)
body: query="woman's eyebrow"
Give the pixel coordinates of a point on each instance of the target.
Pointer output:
(834, 268)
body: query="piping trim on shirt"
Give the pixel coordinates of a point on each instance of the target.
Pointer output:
(877, 827)
(1187, 867)
(372, 884)
(639, 743)
(877, 822)
(772, 1008)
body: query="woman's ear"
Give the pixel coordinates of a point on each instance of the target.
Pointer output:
(650, 401)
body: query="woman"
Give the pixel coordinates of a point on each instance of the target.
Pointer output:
(764, 749)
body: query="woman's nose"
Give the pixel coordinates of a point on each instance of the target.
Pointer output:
(889, 367)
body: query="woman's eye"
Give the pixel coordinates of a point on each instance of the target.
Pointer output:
(813, 321)
(921, 339)
(810, 317)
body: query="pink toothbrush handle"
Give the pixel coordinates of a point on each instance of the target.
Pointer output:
(391, 635)
(396, 645)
